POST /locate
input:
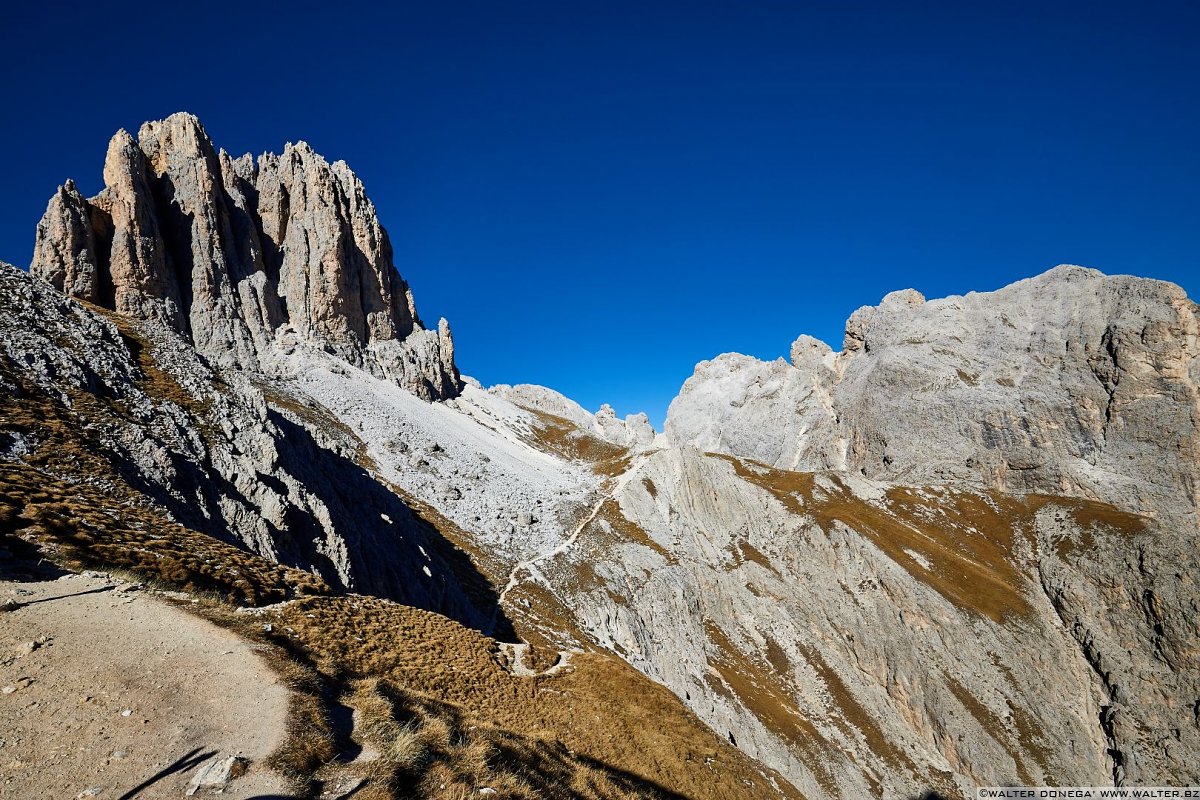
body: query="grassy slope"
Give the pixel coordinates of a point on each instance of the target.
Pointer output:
(435, 705)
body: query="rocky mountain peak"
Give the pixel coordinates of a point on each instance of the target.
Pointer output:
(246, 258)
(1072, 382)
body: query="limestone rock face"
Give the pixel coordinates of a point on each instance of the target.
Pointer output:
(269, 471)
(1009, 419)
(634, 431)
(144, 280)
(959, 552)
(238, 256)
(1072, 383)
(66, 244)
(869, 639)
(766, 411)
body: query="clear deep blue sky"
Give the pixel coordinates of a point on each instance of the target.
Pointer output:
(598, 195)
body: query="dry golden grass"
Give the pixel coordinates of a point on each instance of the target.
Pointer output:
(542, 619)
(962, 544)
(851, 713)
(442, 689)
(625, 530)
(597, 543)
(311, 742)
(967, 540)
(1090, 516)
(767, 695)
(973, 570)
(153, 380)
(561, 437)
(970, 379)
(86, 526)
(68, 496)
(778, 660)
(742, 551)
(793, 489)
(540, 659)
(994, 727)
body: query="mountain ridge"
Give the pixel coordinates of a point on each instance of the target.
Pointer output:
(1137, 340)
(958, 552)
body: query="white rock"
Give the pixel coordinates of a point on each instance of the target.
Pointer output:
(216, 775)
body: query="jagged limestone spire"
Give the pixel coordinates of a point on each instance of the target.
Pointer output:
(231, 253)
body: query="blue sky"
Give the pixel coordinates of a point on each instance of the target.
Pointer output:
(598, 195)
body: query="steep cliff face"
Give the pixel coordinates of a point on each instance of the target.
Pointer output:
(862, 636)
(242, 258)
(869, 638)
(1072, 383)
(908, 532)
(94, 399)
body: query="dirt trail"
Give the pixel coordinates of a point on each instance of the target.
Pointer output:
(515, 654)
(530, 565)
(104, 689)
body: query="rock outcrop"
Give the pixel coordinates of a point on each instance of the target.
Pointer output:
(871, 639)
(130, 407)
(242, 257)
(1072, 383)
(634, 432)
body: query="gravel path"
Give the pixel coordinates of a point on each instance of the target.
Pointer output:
(516, 660)
(530, 566)
(105, 688)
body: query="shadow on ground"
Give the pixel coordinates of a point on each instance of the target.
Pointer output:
(185, 762)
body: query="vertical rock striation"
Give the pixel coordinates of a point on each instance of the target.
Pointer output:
(238, 255)
(1055, 407)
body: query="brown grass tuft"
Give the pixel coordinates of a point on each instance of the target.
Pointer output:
(154, 381)
(966, 539)
(440, 688)
(850, 712)
(624, 529)
(561, 437)
(767, 695)
(87, 527)
(969, 540)
(993, 726)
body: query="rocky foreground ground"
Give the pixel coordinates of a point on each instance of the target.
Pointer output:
(112, 691)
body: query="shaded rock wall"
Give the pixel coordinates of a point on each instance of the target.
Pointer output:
(130, 408)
